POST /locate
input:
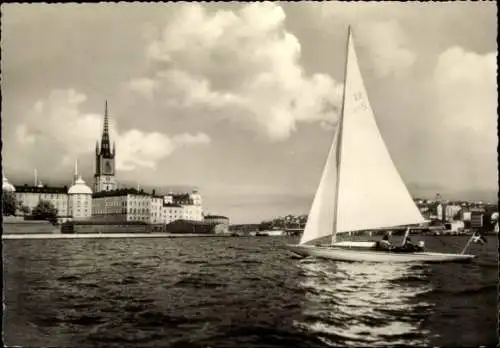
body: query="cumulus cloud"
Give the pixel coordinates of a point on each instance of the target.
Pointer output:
(23, 136)
(144, 85)
(466, 101)
(467, 94)
(387, 44)
(153, 147)
(243, 65)
(58, 125)
(187, 139)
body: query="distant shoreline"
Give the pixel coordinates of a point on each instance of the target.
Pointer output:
(107, 235)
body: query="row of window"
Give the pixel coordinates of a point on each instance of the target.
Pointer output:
(81, 203)
(81, 198)
(116, 203)
(138, 210)
(84, 211)
(45, 195)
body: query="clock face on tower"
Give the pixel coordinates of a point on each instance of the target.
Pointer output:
(108, 167)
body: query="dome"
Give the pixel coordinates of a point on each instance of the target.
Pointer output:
(7, 186)
(79, 188)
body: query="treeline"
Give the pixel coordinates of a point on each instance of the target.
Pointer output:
(284, 222)
(44, 210)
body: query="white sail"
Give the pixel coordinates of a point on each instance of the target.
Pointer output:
(371, 194)
(321, 217)
(371, 191)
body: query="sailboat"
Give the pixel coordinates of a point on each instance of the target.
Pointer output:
(360, 188)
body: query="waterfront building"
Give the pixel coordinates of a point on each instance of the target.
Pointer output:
(104, 177)
(121, 205)
(440, 211)
(219, 223)
(173, 212)
(466, 215)
(29, 196)
(74, 203)
(137, 205)
(451, 212)
(191, 204)
(476, 218)
(157, 212)
(80, 200)
(109, 206)
(80, 203)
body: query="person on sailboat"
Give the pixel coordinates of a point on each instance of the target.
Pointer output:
(385, 243)
(408, 246)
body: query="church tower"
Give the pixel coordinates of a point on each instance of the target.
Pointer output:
(104, 177)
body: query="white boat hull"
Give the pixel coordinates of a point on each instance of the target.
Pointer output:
(366, 255)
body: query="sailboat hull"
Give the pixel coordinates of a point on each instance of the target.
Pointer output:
(357, 255)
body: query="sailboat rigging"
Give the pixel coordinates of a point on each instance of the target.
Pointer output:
(360, 187)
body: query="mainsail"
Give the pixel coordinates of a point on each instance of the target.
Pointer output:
(369, 193)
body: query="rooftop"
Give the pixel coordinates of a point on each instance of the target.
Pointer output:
(120, 192)
(216, 217)
(172, 205)
(41, 189)
(79, 188)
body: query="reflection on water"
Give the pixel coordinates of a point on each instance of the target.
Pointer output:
(353, 304)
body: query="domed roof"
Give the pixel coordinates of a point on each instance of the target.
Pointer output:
(79, 188)
(7, 186)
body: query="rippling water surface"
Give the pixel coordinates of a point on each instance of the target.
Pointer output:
(239, 292)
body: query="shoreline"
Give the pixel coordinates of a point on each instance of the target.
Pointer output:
(11, 236)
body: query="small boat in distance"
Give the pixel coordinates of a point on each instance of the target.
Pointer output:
(360, 188)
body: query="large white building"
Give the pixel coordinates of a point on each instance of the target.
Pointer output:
(121, 205)
(137, 205)
(28, 197)
(191, 203)
(80, 200)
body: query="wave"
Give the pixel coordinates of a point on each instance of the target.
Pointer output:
(475, 290)
(198, 282)
(70, 278)
(358, 305)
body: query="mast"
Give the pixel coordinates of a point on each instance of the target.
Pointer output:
(339, 139)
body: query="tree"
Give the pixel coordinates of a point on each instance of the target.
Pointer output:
(25, 210)
(9, 203)
(265, 225)
(45, 210)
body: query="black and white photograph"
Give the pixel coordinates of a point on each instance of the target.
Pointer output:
(250, 174)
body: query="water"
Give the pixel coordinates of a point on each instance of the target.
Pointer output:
(239, 292)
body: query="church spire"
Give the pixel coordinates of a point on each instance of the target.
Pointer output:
(106, 117)
(105, 144)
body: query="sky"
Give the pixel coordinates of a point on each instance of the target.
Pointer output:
(241, 99)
